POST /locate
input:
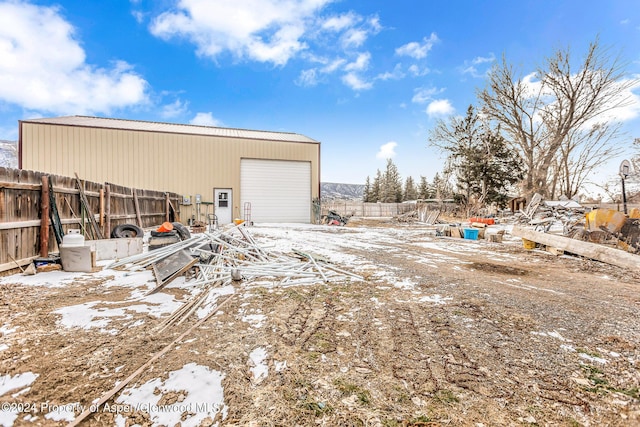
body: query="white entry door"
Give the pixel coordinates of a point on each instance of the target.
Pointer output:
(223, 204)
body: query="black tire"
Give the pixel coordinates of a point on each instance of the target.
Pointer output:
(127, 231)
(155, 233)
(183, 231)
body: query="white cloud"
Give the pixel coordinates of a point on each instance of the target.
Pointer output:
(261, 30)
(341, 22)
(205, 119)
(274, 31)
(424, 95)
(43, 66)
(532, 84)
(361, 62)
(174, 109)
(416, 71)
(418, 50)
(482, 59)
(396, 74)
(440, 107)
(358, 32)
(387, 151)
(356, 82)
(471, 67)
(307, 78)
(630, 100)
(138, 16)
(334, 65)
(374, 24)
(354, 38)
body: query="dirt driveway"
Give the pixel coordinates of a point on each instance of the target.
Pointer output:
(441, 332)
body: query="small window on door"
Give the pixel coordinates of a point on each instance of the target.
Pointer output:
(223, 200)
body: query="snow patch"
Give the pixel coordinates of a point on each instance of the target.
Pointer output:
(257, 362)
(64, 412)
(204, 397)
(552, 334)
(8, 383)
(211, 302)
(436, 299)
(255, 320)
(591, 358)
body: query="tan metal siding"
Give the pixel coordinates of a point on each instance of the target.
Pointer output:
(182, 163)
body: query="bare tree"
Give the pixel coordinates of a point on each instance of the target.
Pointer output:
(581, 153)
(544, 114)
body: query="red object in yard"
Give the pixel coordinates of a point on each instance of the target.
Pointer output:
(488, 221)
(166, 226)
(334, 222)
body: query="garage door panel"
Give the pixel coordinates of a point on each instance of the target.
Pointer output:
(278, 190)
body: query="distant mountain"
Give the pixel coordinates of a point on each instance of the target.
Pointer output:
(334, 191)
(8, 154)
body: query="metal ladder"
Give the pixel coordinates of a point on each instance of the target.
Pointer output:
(247, 213)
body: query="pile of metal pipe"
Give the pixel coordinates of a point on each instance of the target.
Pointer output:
(232, 256)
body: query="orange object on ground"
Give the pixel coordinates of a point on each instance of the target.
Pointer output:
(488, 221)
(166, 226)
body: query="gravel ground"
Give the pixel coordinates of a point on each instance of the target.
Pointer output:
(441, 331)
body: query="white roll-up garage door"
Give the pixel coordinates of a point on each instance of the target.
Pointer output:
(278, 190)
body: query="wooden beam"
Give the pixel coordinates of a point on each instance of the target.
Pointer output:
(92, 219)
(20, 186)
(136, 207)
(44, 217)
(176, 216)
(35, 223)
(107, 210)
(17, 263)
(101, 218)
(595, 251)
(167, 204)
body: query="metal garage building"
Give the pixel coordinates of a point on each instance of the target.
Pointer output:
(273, 176)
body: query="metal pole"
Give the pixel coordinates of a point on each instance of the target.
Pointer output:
(624, 197)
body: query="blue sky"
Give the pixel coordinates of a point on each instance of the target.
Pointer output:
(366, 78)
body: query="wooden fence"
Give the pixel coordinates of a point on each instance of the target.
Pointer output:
(361, 209)
(28, 200)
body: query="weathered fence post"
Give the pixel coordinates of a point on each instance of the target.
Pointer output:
(136, 207)
(107, 211)
(167, 206)
(44, 217)
(101, 219)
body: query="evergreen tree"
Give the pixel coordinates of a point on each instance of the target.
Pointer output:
(480, 159)
(366, 191)
(423, 188)
(374, 193)
(391, 188)
(440, 188)
(410, 190)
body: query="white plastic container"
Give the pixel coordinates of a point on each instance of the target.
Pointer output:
(72, 239)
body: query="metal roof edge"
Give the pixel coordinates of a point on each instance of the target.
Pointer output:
(60, 121)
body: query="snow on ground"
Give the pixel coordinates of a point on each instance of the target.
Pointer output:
(198, 389)
(8, 383)
(212, 300)
(5, 330)
(94, 315)
(63, 412)
(187, 397)
(258, 365)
